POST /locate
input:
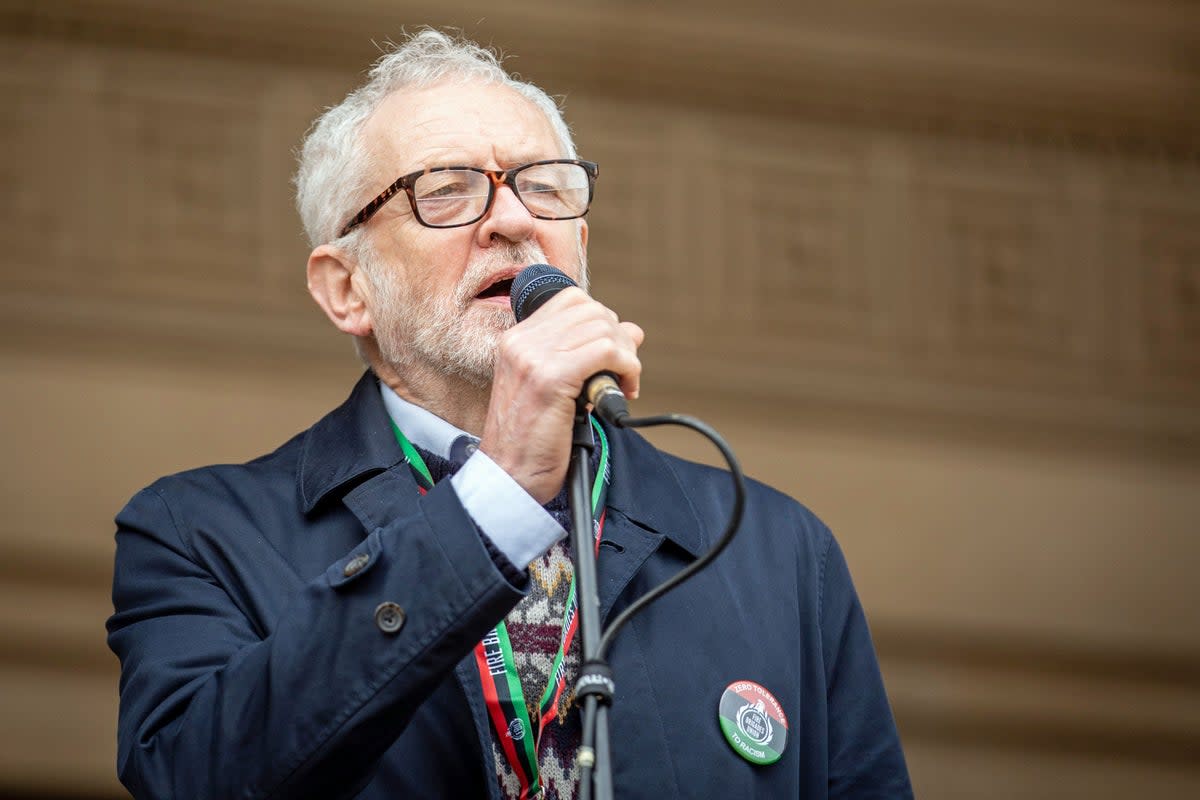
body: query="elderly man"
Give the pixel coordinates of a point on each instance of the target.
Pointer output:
(379, 608)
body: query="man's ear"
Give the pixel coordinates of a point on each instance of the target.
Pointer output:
(335, 283)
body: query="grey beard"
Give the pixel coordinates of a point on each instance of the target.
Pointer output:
(418, 333)
(455, 347)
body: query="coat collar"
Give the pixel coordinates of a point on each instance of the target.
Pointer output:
(645, 488)
(351, 442)
(355, 440)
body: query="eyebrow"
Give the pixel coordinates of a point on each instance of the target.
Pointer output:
(526, 158)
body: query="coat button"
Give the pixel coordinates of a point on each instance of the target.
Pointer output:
(389, 617)
(355, 565)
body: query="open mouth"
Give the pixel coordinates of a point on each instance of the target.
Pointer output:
(500, 288)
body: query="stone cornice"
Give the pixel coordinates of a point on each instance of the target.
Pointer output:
(1120, 74)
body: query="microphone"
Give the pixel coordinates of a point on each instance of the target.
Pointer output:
(532, 287)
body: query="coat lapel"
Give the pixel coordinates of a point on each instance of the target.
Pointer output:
(352, 442)
(467, 675)
(352, 454)
(647, 509)
(652, 530)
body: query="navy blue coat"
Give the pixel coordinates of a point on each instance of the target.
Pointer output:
(253, 667)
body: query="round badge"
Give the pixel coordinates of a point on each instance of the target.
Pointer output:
(753, 722)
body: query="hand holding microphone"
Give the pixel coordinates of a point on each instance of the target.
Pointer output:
(532, 287)
(542, 364)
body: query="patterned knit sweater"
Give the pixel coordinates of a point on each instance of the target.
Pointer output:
(534, 629)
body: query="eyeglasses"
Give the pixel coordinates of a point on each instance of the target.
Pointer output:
(447, 197)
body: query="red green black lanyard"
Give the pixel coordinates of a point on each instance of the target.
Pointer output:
(516, 732)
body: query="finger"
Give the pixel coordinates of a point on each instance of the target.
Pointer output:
(565, 298)
(587, 330)
(631, 384)
(635, 333)
(577, 338)
(557, 319)
(607, 355)
(566, 331)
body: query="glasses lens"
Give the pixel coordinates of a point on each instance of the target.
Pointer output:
(554, 191)
(451, 196)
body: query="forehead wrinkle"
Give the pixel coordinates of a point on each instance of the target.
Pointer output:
(492, 147)
(429, 133)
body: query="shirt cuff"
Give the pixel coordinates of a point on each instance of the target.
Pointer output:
(517, 525)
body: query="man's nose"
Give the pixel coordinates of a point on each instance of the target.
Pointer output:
(507, 218)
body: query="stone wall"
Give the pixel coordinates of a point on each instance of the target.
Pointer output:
(932, 267)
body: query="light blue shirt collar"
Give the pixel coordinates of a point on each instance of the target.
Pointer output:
(514, 522)
(423, 428)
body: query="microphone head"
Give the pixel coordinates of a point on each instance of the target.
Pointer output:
(533, 286)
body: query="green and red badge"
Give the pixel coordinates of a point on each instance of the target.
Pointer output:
(753, 722)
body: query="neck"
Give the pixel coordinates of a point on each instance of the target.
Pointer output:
(460, 402)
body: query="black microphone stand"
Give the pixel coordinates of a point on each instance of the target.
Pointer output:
(594, 688)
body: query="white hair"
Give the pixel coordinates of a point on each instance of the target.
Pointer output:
(335, 168)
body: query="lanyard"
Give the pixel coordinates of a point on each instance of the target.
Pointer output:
(512, 725)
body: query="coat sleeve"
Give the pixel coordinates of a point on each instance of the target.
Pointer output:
(213, 707)
(865, 758)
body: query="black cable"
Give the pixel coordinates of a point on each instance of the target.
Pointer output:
(590, 751)
(735, 519)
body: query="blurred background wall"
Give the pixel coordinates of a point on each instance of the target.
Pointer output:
(936, 264)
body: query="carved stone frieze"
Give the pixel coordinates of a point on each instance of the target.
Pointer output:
(148, 179)
(850, 264)
(965, 270)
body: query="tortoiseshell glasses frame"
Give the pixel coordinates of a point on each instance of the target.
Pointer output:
(450, 196)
